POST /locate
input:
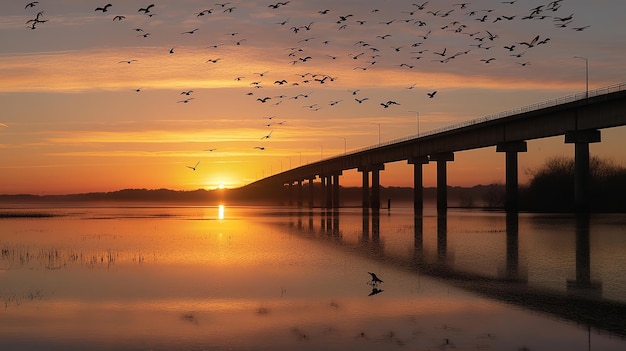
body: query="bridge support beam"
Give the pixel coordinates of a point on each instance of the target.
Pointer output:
(511, 200)
(375, 202)
(290, 193)
(365, 187)
(418, 181)
(442, 179)
(336, 189)
(328, 180)
(311, 192)
(300, 193)
(371, 197)
(581, 140)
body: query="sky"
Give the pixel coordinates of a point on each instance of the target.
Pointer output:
(137, 95)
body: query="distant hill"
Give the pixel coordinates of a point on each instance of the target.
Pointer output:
(477, 196)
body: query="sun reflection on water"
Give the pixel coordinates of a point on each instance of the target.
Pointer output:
(220, 212)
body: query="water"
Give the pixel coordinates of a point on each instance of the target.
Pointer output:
(237, 278)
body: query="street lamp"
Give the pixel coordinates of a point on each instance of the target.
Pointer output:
(586, 75)
(417, 121)
(378, 124)
(344, 144)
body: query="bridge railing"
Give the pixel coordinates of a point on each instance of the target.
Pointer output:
(515, 111)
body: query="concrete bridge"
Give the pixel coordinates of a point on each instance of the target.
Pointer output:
(579, 118)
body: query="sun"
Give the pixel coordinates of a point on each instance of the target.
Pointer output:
(220, 186)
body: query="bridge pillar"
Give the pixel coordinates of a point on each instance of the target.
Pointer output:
(365, 187)
(511, 200)
(299, 193)
(418, 183)
(375, 201)
(442, 179)
(336, 189)
(329, 191)
(581, 140)
(311, 192)
(290, 193)
(322, 191)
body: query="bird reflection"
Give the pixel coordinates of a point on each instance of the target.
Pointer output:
(375, 291)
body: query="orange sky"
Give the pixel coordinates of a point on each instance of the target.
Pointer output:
(72, 119)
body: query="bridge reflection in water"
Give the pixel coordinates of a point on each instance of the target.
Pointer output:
(579, 299)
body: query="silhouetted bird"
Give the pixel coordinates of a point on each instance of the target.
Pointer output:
(375, 291)
(375, 279)
(194, 167)
(105, 8)
(146, 9)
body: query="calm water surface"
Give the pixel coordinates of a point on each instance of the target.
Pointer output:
(237, 278)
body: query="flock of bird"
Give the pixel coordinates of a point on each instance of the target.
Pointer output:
(411, 40)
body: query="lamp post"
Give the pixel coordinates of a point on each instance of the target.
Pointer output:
(345, 143)
(417, 121)
(378, 124)
(586, 75)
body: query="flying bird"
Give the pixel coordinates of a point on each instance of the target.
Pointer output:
(268, 135)
(104, 8)
(532, 42)
(127, 61)
(119, 18)
(443, 53)
(278, 4)
(204, 12)
(146, 9)
(388, 103)
(259, 147)
(36, 20)
(194, 167)
(432, 95)
(31, 4)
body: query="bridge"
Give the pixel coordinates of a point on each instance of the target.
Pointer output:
(579, 118)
